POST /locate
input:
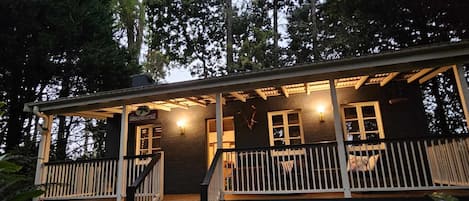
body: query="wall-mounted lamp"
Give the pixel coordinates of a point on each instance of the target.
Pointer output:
(321, 113)
(182, 126)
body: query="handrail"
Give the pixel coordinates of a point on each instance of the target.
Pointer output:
(429, 137)
(140, 156)
(133, 187)
(208, 176)
(81, 161)
(325, 143)
(322, 143)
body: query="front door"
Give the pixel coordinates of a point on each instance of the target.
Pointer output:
(228, 136)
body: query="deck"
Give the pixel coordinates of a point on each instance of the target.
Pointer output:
(415, 195)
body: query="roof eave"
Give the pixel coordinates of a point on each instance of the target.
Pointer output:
(433, 55)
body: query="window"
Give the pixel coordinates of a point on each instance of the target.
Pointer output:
(228, 136)
(362, 121)
(148, 139)
(285, 128)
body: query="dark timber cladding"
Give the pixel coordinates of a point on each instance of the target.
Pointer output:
(186, 155)
(421, 57)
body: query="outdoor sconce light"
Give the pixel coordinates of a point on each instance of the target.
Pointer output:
(182, 126)
(321, 113)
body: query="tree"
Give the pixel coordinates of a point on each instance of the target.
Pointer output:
(51, 43)
(189, 33)
(132, 19)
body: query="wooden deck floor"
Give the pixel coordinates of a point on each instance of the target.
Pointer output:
(410, 195)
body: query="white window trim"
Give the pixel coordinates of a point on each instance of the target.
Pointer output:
(361, 125)
(138, 134)
(287, 138)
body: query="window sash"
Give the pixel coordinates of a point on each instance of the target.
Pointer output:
(285, 127)
(152, 130)
(361, 120)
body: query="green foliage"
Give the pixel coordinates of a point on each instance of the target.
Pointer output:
(439, 196)
(189, 33)
(156, 64)
(13, 183)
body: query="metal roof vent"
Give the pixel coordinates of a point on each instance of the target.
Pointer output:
(142, 79)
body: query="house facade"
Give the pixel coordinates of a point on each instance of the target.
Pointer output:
(343, 126)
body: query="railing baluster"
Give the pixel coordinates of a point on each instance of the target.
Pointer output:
(257, 170)
(302, 162)
(329, 166)
(419, 184)
(308, 168)
(336, 167)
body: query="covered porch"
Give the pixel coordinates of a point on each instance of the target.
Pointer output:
(319, 127)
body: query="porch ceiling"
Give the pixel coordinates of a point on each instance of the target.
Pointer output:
(420, 75)
(410, 65)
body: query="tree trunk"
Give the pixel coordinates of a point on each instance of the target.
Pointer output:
(314, 31)
(439, 110)
(61, 145)
(14, 124)
(229, 35)
(276, 36)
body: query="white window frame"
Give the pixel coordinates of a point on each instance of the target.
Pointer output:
(358, 106)
(285, 126)
(150, 137)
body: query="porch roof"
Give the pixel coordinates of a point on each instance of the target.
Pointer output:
(372, 69)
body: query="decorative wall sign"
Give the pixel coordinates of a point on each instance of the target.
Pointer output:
(143, 114)
(250, 121)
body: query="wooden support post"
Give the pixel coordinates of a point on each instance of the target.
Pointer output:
(361, 82)
(219, 126)
(238, 96)
(285, 91)
(261, 94)
(44, 150)
(121, 171)
(219, 120)
(463, 89)
(388, 78)
(339, 136)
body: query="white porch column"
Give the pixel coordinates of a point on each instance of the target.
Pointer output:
(339, 137)
(463, 89)
(121, 171)
(219, 123)
(44, 149)
(219, 119)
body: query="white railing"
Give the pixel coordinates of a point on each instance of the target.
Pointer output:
(277, 170)
(97, 178)
(212, 185)
(410, 164)
(431, 163)
(81, 179)
(146, 176)
(449, 161)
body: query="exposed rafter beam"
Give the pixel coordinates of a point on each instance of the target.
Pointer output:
(361, 82)
(152, 105)
(176, 104)
(419, 74)
(388, 78)
(213, 99)
(434, 73)
(238, 96)
(159, 107)
(307, 89)
(261, 94)
(284, 91)
(90, 114)
(197, 102)
(111, 110)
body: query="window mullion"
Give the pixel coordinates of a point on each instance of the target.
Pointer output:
(361, 123)
(285, 127)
